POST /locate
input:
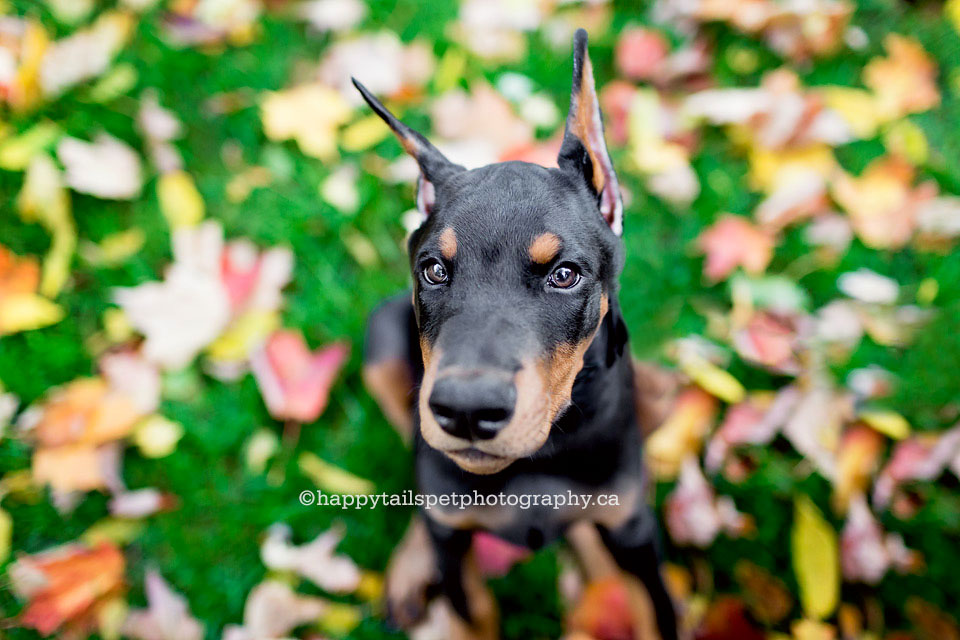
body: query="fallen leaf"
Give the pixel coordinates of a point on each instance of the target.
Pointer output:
(332, 478)
(682, 433)
(694, 515)
(167, 616)
(85, 54)
(44, 199)
(882, 203)
(640, 53)
(157, 437)
(187, 310)
(17, 152)
(309, 114)
(261, 446)
(294, 382)
(733, 242)
(332, 15)
(866, 552)
(603, 611)
(922, 456)
(273, 610)
(63, 584)
(6, 534)
(868, 286)
(858, 457)
(768, 598)
(816, 561)
(316, 560)
(106, 168)
(726, 619)
(180, 202)
(906, 80)
(141, 503)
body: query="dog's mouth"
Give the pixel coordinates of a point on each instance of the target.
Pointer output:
(475, 460)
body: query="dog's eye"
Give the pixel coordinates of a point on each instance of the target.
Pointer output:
(435, 273)
(564, 277)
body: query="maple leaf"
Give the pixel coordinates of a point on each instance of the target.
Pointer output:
(65, 584)
(295, 383)
(906, 80)
(315, 560)
(733, 242)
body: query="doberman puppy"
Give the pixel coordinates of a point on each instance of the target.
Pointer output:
(515, 340)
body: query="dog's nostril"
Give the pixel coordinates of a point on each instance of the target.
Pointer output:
(492, 415)
(442, 411)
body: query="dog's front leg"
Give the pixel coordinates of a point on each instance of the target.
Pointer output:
(412, 576)
(633, 545)
(476, 616)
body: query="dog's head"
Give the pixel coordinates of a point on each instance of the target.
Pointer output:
(513, 269)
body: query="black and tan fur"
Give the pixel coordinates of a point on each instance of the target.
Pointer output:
(512, 383)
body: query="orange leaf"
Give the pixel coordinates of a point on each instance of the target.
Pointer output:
(72, 579)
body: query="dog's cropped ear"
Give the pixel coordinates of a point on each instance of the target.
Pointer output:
(434, 166)
(584, 151)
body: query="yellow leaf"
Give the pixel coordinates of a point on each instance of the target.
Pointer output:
(6, 534)
(360, 248)
(156, 436)
(180, 202)
(27, 311)
(857, 107)
(927, 291)
(332, 478)
(119, 531)
(119, 80)
(115, 248)
(712, 378)
(907, 140)
(261, 446)
(17, 152)
(370, 587)
(110, 618)
(449, 70)
(44, 199)
(816, 560)
(245, 333)
(364, 133)
(309, 114)
(812, 630)
(56, 264)
(951, 11)
(771, 167)
(339, 619)
(889, 423)
(116, 325)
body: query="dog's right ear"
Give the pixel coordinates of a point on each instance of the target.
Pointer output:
(434, 166)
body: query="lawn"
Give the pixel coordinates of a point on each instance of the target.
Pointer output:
(869, 234)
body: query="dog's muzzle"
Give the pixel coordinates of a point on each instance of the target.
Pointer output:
(473, 407)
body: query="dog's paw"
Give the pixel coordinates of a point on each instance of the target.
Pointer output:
(411, 577)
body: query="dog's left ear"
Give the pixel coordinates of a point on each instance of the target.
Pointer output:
(434, 166)
(584, 151)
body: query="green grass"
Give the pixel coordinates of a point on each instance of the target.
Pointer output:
(209, 547)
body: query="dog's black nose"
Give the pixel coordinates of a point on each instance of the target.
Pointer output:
(474, 408)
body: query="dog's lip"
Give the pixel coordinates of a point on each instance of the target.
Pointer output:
(473, 454)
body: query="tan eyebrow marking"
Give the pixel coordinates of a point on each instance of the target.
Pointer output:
(448, 243)
(544, 248)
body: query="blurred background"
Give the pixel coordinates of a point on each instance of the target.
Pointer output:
(198, 214)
